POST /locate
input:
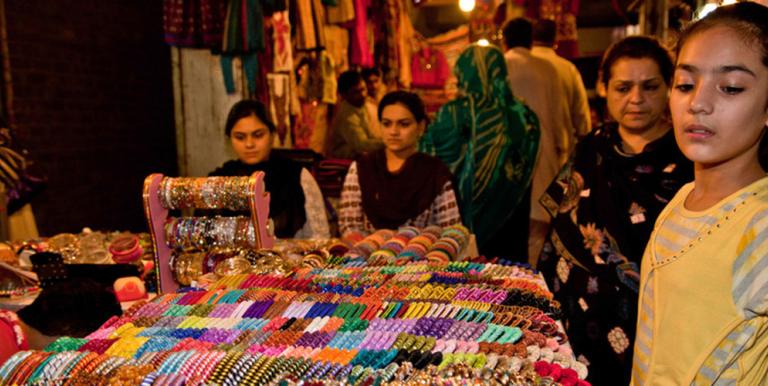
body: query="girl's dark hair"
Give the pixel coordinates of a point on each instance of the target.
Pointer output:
(637, 47)
(246, 108)
(410, 100)
(750, 21)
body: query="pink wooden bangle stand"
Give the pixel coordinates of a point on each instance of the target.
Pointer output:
(157, 215)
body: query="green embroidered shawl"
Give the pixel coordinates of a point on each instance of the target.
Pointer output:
(488, 139)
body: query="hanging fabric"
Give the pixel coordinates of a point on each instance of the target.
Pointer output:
(451, 43)
(265, 59)
(360, 52)
(429, 69)
(400, 33)
(390, 51)
(243, 37)
(341, 12)
(194, 23)
(311, 15)
(281, 34)
(328, 75)
(280, 108)
(338, 47)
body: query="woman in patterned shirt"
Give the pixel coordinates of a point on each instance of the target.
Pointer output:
(604, 205)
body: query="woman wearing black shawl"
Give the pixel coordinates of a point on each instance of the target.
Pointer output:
(296, 204)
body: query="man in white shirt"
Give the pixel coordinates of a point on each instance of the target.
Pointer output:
(544, 34)
(536, 82)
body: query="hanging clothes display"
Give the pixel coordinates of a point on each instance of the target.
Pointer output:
(328, 75)
(281, 34)
(280, 108)
(194, 23)
(429, 69)
(243, 37)
(400, 34)
(265, 59)
(360, 52)
(311, 16)
(342, 12)
(338, 47)
(391, 50)
(316, 90)
(451, 43)
(317, 78)
(281, 56)
(311, 130)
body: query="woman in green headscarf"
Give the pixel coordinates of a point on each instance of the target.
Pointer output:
(489, 140)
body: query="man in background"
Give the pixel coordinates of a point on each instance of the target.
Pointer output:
(544, 34)
(351, 127)
(535, 81)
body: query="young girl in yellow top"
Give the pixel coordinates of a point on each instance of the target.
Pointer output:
(703, 309)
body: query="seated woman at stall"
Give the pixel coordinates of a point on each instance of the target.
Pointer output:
(398, 185)
(604, 205)
(296, 204)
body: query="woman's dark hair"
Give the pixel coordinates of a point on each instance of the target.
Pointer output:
(750, 21)
(72, 308)
(246, 108)
(637, 47)
(410, 100)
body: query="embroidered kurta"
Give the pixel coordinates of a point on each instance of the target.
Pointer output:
(703, 316)
(603, 206)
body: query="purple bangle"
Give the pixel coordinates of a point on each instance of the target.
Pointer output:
(264, 308)
(408, 325)
(370, 339)
(249, 313)
(373, 342)
(478, 330)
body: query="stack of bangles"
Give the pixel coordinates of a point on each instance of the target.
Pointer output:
(204, 193)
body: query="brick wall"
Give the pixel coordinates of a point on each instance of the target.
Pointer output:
(93, 103)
